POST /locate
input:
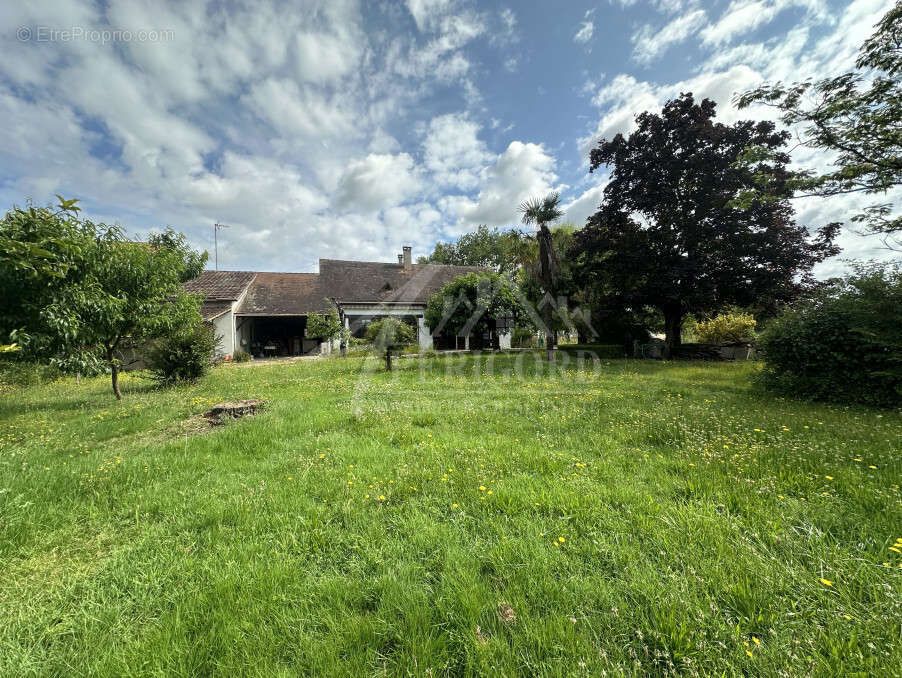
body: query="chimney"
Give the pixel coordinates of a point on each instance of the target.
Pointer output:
(407, 261)
(401, 259)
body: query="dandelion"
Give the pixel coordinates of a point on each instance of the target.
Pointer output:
(749, 653)
(755, 640)
(289, 477)
(482, 488)
(829, 477)
(322, 456)
(381, 497)
(561, 539)
(872, 466)
(453, 505)
(826, 582)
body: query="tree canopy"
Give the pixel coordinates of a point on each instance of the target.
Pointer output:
(99, 291)
(856, 115)
(494, 248)
(668, 235)
(471, 303)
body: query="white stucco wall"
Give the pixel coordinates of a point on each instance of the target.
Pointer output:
(225, 329)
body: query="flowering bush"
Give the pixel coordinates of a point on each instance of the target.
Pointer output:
(726, 328)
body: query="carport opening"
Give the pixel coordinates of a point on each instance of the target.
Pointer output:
(273, 337)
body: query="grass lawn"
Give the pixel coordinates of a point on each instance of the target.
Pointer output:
(642, 518)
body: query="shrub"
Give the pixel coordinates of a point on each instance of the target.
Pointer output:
(324, 326)
(15, 371)
(183, 357)
(390, 331)
(241, 356)
(726, 328)
(842, 344)
(523, 337)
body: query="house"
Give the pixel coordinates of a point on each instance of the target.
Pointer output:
(266, 313)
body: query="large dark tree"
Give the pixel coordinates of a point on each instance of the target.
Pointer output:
(668, 234)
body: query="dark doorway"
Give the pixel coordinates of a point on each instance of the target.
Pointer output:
(278, 336)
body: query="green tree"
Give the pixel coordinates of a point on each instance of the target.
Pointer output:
(543, 211)
(668, 233)
(390, 331)
(856, 115)
(496, 249)
(324, 326)
(570, 302)
(470, 304)
(102, 291)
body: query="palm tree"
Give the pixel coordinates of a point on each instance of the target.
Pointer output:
(541, 211)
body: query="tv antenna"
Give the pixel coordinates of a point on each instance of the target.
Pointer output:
(216, 228)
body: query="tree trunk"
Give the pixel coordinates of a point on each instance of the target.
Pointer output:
(549, 335)
(548, 283)
(673, 322)
(114, 369)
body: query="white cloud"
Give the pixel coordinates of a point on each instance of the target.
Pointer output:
(523, 171)
(376, 182)
(744, 16)
(585, 205)
(427, 13)
(648, 45)
(586, 29)
(453, 153)
(298, 113)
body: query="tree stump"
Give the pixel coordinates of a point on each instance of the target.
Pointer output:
(235, 410)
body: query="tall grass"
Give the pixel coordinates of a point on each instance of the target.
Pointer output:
(450, 518)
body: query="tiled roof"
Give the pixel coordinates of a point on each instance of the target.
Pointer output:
(220, 285)
(370, 281)
(215, 309)
(284, 294)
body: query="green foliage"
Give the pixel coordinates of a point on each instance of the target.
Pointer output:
(623, 326)
(95, 290)
(470, 303)
(647, 246)
(389, 332)
(183, 357)
(856, 116)
(324, 326)
(523, 336)
(842, 344)
(17, 372)
(725, 328)
(497, 249)
(241, 356)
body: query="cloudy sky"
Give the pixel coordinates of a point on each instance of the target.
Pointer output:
(346, 129)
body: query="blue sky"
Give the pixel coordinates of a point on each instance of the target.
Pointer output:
(347, 129)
